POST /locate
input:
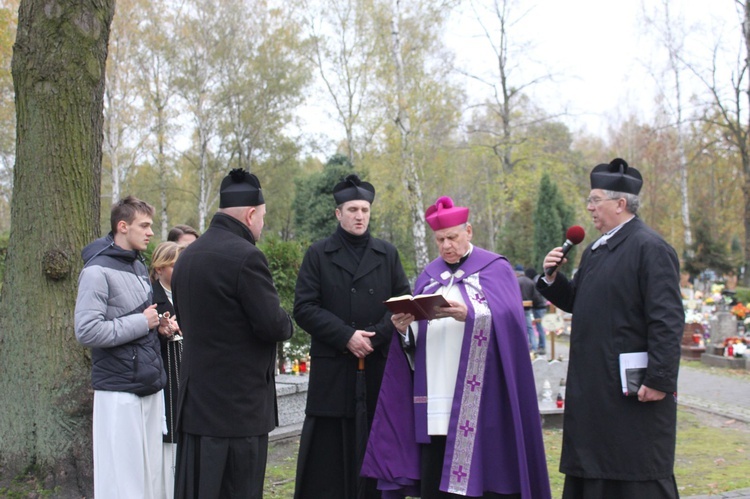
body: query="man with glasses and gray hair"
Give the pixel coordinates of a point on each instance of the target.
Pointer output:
(625, 298)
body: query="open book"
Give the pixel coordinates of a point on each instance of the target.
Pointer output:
(422, 307)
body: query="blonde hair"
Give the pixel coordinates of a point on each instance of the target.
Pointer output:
(164, 255)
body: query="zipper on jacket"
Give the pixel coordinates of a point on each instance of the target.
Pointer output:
(135, 363)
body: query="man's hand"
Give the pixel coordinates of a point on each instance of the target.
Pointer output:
(359, 344)
(457, 310)
(152, 316)
(401, 322)
(168, 326)
(646, 394)
(554, 257)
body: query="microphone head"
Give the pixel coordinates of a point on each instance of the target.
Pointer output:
(575, 234)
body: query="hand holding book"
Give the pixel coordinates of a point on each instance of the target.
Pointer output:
(422, 307)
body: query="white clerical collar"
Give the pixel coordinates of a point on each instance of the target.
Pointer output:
(607, 235)
(471, 247)
(459, 273)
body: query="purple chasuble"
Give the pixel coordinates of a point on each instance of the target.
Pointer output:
(494, 441)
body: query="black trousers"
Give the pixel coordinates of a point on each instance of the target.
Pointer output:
(583, 488)
(220, 468)
(326, 465)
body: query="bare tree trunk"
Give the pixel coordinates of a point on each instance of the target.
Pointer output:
(111, 146)
(503, 107)
(58, 73)
(744, 131)
(344, 60)
(411, 175)
(161, 163)
(203, 194)
(674, 49)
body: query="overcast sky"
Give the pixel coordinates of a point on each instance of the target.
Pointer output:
(602, 57)
(598, 50)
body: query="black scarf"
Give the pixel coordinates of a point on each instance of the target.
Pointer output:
(356, 245)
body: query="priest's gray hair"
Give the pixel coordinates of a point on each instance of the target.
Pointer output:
(632, 201)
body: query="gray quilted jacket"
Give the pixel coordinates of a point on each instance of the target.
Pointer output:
(113, 291)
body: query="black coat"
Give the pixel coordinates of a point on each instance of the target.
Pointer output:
(231, 319)
(333, 298)
(625, 297)
(530, 293)
(171, 357)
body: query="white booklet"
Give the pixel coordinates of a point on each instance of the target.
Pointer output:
(632, 371)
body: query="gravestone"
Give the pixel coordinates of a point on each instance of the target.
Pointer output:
(723, 325)
(291, 393)
(689, 348)
(552, 372)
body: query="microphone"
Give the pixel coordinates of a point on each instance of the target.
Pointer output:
(573, 236)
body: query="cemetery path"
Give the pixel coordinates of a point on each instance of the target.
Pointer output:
(720, 394)
(703, 389)
(700, 388)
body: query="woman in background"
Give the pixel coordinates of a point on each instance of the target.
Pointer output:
(182, 234)
(162, 262)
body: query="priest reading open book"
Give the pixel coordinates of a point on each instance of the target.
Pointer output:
(422, 307)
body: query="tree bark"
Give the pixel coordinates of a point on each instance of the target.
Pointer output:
(742, 142)
(58, 72)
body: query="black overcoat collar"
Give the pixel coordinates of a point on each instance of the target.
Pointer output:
(231, 224)
(622, 234)
(371, 259)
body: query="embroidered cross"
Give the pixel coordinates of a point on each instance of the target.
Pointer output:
(479, 298)
(473, 383)
(480, 337)
(466, 428)
(460, 473)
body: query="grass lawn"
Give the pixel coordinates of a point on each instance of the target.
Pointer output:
(713, 455)
(719, 371)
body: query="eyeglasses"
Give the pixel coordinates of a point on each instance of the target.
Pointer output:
(596, 201)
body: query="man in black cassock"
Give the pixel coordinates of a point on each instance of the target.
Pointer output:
(231, 319)
(339, 296)
(624, 298)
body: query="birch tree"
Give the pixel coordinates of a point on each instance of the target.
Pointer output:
(344, 45)
(730, 112)
(155, 83)
(672, 39)
(504, 110)
(197, 81)
(8, 9)
(263, 69)
(411, 180)
(122, 129)
(415, 88)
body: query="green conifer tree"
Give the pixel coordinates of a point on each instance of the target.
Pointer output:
(552, 217)
(313, 205)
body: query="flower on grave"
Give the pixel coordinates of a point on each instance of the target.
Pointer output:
(734, 340)
(693, 316)
(740, 311)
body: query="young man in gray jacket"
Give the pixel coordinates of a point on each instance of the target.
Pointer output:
(115, 318)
